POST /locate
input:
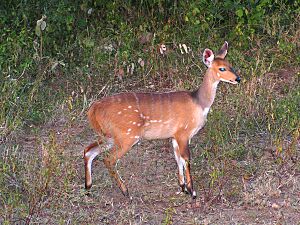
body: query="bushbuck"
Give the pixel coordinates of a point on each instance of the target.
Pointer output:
(124, 119)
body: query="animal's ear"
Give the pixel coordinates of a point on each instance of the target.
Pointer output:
(208, 57)
(223, 51)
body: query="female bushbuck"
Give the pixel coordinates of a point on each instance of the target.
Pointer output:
(126, 118)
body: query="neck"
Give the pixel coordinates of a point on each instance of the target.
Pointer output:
(207, 91)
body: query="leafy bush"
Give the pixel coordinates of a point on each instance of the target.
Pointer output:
(77, 35)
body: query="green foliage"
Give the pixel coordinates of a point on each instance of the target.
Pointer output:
(77, 33)
(58, 56)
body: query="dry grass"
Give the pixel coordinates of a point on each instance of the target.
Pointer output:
(241, 176)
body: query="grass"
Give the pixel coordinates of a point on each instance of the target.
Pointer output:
(246, 156)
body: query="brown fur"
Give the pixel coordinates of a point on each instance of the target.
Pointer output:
(126, 118)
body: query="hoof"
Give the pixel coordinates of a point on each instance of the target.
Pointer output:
(192, 192)
(184, 189)
(194, 195)
(87, 186)
(87, 191)
(126, 193)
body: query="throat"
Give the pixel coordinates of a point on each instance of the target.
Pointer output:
(206, 94)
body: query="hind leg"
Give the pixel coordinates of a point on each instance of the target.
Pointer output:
(90, 153)
(110, 160)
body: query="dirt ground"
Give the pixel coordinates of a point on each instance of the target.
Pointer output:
(271, 195)
(150, 172)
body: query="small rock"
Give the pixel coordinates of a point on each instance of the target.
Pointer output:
(275, 206)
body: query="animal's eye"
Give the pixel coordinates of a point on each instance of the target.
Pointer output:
(222, 69)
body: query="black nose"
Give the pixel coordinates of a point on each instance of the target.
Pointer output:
(238, 79)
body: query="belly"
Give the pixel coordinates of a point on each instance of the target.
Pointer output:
(158, 131)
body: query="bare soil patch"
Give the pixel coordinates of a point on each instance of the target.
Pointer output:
(149, 170)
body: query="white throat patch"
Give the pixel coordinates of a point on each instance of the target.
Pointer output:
(205, 111)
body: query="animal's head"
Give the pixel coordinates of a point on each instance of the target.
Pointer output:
(219, 67)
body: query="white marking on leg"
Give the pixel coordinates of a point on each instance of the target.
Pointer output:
(175, 145)
(91, 154)
(180, 161)
(194, 194)
(181, 166)
(118, 171)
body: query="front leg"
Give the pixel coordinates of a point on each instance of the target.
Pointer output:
(189, 180)
(180, 163)
(182, 155)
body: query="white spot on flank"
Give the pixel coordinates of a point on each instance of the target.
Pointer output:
(119, 112)
(136, 110)
(129, 107)
(153, 121)
(138, 124)
(186, 126)
(124, 109)
(136, 136)
(134, 123)
(129, 130)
